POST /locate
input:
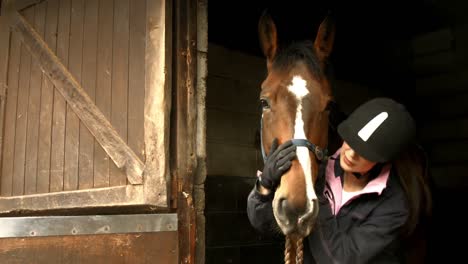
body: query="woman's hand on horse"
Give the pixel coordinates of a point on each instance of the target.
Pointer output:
(277, 163)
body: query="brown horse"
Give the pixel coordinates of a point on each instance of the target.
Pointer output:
(294, 98)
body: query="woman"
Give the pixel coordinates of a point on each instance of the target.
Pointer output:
(363, 206)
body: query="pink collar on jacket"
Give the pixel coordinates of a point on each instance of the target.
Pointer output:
(376, 185)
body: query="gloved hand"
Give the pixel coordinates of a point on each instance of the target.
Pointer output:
(277, 163)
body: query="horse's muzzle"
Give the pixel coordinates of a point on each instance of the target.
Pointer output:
(292, 222)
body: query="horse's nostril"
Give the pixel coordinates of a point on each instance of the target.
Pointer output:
(283, 206)
(315, 204)
(285, 209)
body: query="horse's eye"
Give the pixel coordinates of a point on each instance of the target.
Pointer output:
(264, 104)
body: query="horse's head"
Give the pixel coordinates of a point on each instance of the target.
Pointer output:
(294, 98)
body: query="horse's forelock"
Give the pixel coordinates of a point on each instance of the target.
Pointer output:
(288, 56)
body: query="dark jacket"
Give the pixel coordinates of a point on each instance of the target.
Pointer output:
(365, 230)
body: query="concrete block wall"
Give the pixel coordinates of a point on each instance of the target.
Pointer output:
(233, 157)
(442, 90)
(440, 66)
(233, 111)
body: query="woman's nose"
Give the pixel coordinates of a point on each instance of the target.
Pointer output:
(352, 154)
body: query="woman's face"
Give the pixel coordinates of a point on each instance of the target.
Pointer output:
(351, 161)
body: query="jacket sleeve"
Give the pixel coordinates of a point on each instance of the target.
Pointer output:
(364, 242)
(260, 211)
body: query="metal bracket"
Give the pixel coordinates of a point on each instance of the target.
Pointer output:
(86, 225)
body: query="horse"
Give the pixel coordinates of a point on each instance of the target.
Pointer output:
(297, 104)
(294, 98)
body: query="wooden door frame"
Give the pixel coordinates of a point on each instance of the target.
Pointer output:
(188, 126)
(183, 125)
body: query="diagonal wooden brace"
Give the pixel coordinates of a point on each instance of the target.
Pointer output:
(122, 155)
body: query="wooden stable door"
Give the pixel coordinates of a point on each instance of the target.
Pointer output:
(99, 108)
(85, 95)
(85, 104)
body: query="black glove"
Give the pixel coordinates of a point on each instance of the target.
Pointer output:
(277, 163)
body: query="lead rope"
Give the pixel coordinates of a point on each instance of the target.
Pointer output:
(289, 252)
(299, 251)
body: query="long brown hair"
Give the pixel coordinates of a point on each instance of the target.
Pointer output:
(412, 167)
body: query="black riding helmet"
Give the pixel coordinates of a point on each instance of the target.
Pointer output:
(378, 129)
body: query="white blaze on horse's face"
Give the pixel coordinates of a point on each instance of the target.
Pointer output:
(299, 89)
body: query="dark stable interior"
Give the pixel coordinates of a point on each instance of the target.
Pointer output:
(373, 47)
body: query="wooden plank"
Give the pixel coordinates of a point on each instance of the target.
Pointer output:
(103, 85)
(22, 116)
(136, 78)
(119, 151)
(59, 109)
(119, 114)
(5, 34)
(86, 157)
(184, 128)
(32, 134)
(202, 26)
(47, 102)
(3, 7)
(200, 176)
(8, 140)
(108, 248)
(157, 102)
(202, 74)
(22, 4)
(68, 200)
(72, 127)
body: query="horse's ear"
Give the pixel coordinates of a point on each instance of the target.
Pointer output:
(267, 36)
(325, 38)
